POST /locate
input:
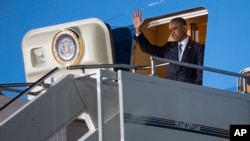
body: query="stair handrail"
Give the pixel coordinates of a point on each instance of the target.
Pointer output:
(12, 87)
(39, 81)
(133, 68)
(154, 59)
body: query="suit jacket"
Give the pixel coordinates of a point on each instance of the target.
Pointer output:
(193, 53)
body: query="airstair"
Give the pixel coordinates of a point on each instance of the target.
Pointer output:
(127, 106)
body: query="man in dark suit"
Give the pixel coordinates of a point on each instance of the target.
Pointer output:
(183, 49)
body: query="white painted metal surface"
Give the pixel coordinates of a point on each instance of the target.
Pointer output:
(38, 54)
(158, 109)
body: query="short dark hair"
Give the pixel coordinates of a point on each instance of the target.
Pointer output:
(179, 20)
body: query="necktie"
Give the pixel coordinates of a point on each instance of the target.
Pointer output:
(179, 51)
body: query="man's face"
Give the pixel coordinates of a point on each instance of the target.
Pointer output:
(178, 31)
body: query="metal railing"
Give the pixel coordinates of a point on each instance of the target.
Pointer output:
(13, 87)
(154, 58)
(26, 91)
(243, 82)
(154, 65)
(132, 68)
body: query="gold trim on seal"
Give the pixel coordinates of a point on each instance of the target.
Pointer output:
(67, 47)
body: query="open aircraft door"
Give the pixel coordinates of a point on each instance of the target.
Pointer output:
(76, 43)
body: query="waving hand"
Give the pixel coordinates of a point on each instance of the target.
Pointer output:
(137, 19)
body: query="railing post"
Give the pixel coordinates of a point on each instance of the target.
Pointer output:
(133, 70)
(100, 106)
(153, 69)
(245, 84)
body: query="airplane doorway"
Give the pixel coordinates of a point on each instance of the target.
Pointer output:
(157, 31)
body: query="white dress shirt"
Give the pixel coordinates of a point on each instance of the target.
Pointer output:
(184, 44)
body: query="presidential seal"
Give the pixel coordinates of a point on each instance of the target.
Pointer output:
(67, 47)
